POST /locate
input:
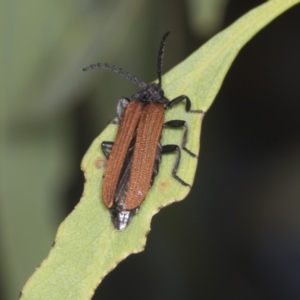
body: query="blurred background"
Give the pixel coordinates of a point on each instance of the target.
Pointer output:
(236, 236)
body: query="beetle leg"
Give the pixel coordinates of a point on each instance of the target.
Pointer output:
(178, 124)
(114, 122)
(169, 149)
(105, 146)
(187, 104)
(123, 102)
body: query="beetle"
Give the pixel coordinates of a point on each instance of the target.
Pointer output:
(134, 156)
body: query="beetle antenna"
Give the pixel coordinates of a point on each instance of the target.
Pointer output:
(120, 71)
(160, 56)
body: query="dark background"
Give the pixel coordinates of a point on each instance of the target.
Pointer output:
(236, 236)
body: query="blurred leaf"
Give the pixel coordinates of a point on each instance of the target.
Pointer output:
(43, 47)
(206, 16)
(87, 246)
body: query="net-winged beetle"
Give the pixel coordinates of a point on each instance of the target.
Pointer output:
(136, 152)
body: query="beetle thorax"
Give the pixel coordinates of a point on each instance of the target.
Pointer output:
(152, 93)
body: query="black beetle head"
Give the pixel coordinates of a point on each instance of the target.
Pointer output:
(152, 93)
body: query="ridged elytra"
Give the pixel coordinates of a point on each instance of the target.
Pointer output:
(134, 156)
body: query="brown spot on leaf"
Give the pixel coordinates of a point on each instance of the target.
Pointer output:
(100, 163)
(164, 184)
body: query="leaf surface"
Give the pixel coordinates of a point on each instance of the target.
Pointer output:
(87, 246)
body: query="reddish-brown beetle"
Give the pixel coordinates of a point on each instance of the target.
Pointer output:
(136, 152)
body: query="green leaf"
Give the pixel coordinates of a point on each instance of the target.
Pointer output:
(87, 246)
